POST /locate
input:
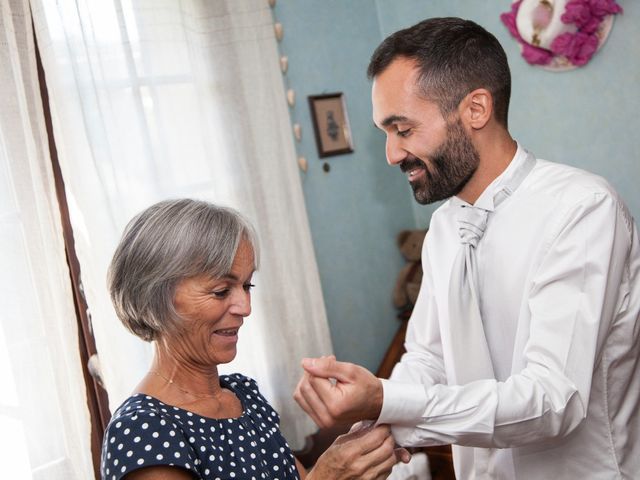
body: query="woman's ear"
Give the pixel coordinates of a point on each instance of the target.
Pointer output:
(477, 108)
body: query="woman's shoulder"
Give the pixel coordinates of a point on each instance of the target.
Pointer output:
(140, 434)
(246, 388)
(242, 385)
(137, 406)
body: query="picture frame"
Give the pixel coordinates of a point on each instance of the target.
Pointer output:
(330, 124)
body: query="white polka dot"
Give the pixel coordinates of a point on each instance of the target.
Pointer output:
(145, 426)
(177, 454)
(129, 453)
(147, 448)
(155, 434)
(159, 456)
(140, 461)
(136, 440)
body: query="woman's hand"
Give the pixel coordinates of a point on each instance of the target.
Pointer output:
(362, 454)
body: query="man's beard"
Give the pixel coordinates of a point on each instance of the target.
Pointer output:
(449, 169)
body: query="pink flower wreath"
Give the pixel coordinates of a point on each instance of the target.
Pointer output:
(578, 47)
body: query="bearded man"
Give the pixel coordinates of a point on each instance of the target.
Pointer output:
(523, 349)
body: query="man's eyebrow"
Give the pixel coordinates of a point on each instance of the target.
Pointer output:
(393, 119)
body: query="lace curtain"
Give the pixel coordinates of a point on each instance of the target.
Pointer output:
(164, 98)
(44, 420)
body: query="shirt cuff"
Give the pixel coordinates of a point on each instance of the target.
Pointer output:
(403, 403)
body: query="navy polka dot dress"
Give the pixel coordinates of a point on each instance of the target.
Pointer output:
(145, 432)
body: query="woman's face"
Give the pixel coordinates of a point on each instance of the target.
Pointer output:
(213, 310)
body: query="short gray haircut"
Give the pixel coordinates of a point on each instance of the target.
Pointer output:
(164, 244)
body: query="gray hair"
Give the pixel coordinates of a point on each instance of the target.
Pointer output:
(164, 244)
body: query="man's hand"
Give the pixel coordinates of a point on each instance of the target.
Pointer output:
(334, 392)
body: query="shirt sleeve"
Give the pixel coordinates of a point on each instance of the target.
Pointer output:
(141, 439)
(572, 299)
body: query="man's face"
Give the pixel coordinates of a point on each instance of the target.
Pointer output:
(436, 154)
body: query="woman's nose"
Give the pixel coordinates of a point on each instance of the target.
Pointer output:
(242, 303)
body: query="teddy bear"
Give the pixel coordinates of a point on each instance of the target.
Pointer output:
(408, 282)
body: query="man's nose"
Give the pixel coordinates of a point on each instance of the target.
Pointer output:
(395, 154)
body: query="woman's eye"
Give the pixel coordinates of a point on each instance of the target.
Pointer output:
(248, 286)
(220, 293)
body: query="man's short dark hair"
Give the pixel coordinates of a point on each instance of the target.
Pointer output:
(455, 57)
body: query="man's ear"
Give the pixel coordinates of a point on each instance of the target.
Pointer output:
(477, 108)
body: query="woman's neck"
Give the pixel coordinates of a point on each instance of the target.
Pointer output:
(175, 370)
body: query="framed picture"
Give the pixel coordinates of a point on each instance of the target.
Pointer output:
(330, 124)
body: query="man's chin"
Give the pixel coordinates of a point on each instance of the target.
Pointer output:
(420, 194)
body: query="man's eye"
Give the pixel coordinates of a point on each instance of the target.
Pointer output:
(403, 133)
(220, 293)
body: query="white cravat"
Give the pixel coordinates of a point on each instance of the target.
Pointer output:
(471, 357)
(472, 360)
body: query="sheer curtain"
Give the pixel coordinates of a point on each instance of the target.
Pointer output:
(44, 420)
(165, 98)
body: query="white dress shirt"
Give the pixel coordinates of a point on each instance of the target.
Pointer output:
(559, 293)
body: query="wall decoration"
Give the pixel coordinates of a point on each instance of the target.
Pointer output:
(284, 63)
(279, 31)
(560, 35)
(291, 97)
(330, 124)
(302, 163)
(297, 131)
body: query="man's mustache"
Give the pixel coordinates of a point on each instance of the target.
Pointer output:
(411, 164)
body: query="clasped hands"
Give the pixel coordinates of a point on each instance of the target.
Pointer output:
(333, 392)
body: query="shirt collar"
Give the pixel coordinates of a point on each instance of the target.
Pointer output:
(486, 198)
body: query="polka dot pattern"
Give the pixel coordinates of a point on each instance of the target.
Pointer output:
(146, 432)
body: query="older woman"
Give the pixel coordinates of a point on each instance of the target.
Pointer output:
(181, 278)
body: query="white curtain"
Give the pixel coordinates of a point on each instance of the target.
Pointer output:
(44, 420)
(153, 99)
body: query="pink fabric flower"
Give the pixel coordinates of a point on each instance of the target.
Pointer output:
(602, 8)
(535, 55)
(578, 12)
(509, 20)
(577, 47)
(591, 26)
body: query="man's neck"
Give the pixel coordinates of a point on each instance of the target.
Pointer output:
(496, 154)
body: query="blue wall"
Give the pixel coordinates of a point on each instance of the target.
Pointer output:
(588, 118)
(356, 210)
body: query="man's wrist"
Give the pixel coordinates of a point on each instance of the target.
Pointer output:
(401, 402)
